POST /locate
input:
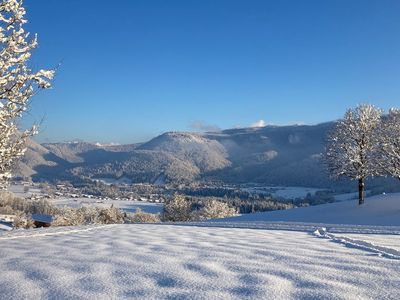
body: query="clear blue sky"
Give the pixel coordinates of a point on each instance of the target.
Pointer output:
(134, 69)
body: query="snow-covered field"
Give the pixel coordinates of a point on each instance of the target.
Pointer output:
(109, 181)
(18, 190)
(285, 192)
(391, 241)
(183, 262)
(125, 205)
(347, 196)
(377, 210)
(275, 255)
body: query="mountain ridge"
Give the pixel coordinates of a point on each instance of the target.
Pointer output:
(276, 155)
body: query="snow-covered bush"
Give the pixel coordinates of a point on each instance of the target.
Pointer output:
(110, 215)
(6, 210)
(214, 209)
(21, 220)
(68, 216)
(42, 206)
(141, 217)
(177, 209)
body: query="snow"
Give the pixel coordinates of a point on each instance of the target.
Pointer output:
(187, 262)
(110, 181)
(360, 244)
(18, 190)
(385, 240)
(332, 251)
(5, 226)
(125, 205)
(285, 192)
(347, 196)
(381, 210)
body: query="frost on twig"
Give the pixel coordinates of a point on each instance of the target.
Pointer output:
(18, 83)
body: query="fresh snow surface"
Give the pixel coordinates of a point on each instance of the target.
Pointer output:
(125, 205)
(187, 262)
(110, 181)
(386, 240)
(377, 210)
(285, 192)
(348, 196)
(18, 190)
(360, 244)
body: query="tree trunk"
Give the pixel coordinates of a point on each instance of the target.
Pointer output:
(361, 193)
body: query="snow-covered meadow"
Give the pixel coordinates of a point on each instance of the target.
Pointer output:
(125, 205)
(381, 210)
(332, 251)
(188, 262)
(283, 192)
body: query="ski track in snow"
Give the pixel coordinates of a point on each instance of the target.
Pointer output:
(359, 244)
(317, 229)
(298, 226)
(320, 230)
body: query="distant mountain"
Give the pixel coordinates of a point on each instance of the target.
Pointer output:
(278, 155)
(204, 153)
(35, 156)
(275, 155)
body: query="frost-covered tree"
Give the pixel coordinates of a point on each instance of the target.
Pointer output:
(142, 217)
(214, 209)
(18, 83)
(177, 209)
(389, 138)
(351, 149)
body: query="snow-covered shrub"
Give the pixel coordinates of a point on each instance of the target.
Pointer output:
(8, 200)
(7, 210)
(177, 209)
(141, 217)
(110, 215)
(42, 206)
(66, 216)
(69, 217)
(88, 215)
(214, 209)
(21, 220)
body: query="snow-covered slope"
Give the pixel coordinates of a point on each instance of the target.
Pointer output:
(206, 154)
(177, 262)
(378, 210)
(298, 259)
